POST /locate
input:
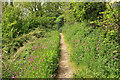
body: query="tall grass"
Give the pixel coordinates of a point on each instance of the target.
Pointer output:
(38, 59)
(93, 50)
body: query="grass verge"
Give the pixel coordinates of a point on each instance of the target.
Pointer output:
(94, 51)
(38, 59)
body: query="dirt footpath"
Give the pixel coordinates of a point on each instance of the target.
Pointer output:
(65, 70)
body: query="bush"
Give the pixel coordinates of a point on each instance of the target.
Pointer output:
(11, 22)
(59, 21)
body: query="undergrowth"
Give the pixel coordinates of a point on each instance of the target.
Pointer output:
(39, 59)
(97, 51)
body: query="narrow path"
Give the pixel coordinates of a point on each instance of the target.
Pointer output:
(65, 70)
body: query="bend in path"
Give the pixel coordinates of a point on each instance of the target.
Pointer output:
(65, 70)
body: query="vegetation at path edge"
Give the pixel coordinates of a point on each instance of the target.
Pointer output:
(38, 59)
(94, 42)
(31, 40)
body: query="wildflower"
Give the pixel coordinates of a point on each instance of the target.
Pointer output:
(39, 62)
(25, 66)
(51, 63)
(81, 54)
(98, 33)
(39, 49)
(35, 56)
(13, 77)
(51, 75)
(15, 72)
(32, 48)
(32, 60)
(99, 54)
(35, 68)
(114, 57)
(75, 40)
(30, 63)
(36, 45)
(44, 46)
(98, 43)
(39, 46)
(97, 48)
(11, 60)
(42, 59)
(54, 75)
(22, 71)
(29, 59)
(40, 66)
(53, 42)
(75, 44)
(48, 76)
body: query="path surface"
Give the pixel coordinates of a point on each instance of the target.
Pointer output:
(65, 70)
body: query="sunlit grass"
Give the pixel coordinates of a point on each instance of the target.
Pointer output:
(38, 59)
(92, 51)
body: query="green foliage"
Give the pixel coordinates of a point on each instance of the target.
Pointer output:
(37, 60)
(10, 47)
(96, 50)
(59, 21)
(110, 19)
(11, 22)
(82, 11)
(24, 17)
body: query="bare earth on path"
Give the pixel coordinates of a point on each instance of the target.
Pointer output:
(65, 70)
